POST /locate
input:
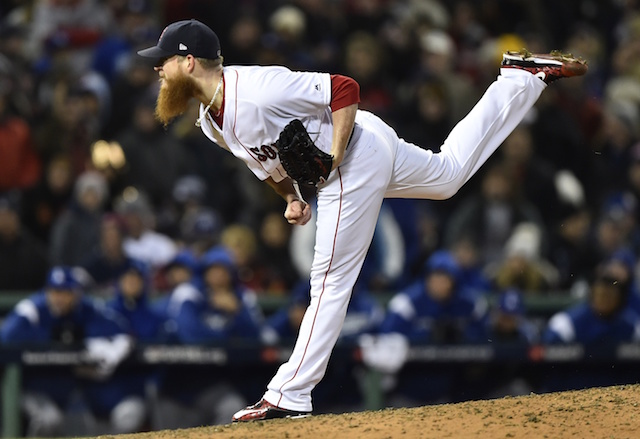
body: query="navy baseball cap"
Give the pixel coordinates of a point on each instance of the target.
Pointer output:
(183, 38)
(62, 278)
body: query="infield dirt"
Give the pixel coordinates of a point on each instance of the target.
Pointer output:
(610, 412)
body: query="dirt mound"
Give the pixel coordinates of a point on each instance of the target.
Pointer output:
(610, 412)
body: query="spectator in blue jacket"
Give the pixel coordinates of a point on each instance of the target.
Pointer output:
(60, 315)
(220, 312)
(182, 269)
(131, 301)
(605, 318)
(602, 321)
(180, 273)
(435, 308)
(224, 310)
(621, 264)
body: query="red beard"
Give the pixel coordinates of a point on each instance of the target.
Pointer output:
(174, 97)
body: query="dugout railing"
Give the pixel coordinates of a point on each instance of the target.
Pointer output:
(423, 357)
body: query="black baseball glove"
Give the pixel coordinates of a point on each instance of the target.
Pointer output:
(300, 157)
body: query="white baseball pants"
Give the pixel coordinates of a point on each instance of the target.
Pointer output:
(379, 164)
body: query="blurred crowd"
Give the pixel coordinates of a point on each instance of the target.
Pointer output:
(131, 232)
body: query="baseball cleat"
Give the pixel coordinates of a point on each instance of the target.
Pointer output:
(548, 67)
(263, 410)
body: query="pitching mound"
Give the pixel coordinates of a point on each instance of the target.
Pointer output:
(610, 412)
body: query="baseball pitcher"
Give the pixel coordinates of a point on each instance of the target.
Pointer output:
(295, 128)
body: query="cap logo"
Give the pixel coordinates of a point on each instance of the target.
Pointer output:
(57, 276)
(162, 34)
(182, 47)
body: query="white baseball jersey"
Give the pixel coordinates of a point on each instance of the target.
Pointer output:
(260, 101)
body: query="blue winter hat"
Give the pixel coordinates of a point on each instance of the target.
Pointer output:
(185, 258)
(218, 255)
(139, 266)
(624, 256)
(443, 261)
(62, 278)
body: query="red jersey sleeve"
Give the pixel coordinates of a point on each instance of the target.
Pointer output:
(345, 91)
